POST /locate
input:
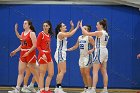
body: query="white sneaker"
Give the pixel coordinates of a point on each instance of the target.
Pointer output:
(31, 88)
(104, 91)
(85, 90)
(38, 91)
(25, 89)
(59, 90)
(56, 90)
(14, 91)
(91, 91)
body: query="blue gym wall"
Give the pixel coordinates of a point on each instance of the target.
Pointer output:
(124, 43)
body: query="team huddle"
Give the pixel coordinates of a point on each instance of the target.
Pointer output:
(93, 54)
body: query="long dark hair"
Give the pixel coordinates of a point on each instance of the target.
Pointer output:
(104, 24)
(50, 29)
(57, 29)
(89, 27)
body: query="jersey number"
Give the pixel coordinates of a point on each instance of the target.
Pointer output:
(81, 46)
(24, 43)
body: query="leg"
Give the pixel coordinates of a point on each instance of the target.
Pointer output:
(104, 74)
(32, 67)
(31, 86)
(27, 75)
(33, 79)
(26, 78)
(21, 70)
(50, 67)
(83, 76)
(62, 71)
(88, 77)
(42, 69)
(60, 75)
(96, 68)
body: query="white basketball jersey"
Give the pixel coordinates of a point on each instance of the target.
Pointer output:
(61, 44)
(101, 42)
(83, 44)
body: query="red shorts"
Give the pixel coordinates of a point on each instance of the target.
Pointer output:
(31, 58)
(42, 61)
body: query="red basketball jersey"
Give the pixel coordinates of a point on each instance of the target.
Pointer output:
(26, 42)
(43, 42)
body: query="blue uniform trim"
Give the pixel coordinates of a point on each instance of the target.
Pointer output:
(97, 56)
(60, 51)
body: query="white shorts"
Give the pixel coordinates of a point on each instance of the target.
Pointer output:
(86, 61)
(100, 55)
(60, 56)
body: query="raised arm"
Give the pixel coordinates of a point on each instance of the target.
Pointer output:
(96, 33)
(69, 34)
(72, 26)
(16, 31)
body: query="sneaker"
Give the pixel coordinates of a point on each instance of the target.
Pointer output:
(84, 90)
(25, 89)
(104, 91)
(59, 90)
(14, 91)
(31, 88)
(91, 91)
(56, 90)
(38, 91)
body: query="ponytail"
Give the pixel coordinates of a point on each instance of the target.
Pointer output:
(57, 29)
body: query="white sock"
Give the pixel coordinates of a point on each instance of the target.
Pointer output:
(89, 87)
(93, 88)
(105, 88)
(25, 86)
(46, 88)
(32, 84)
(41, 89)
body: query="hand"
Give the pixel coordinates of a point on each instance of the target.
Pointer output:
(16, 26)
(44, 57)
(12, 53)
(78, 24)
(26, 54)
(71, 23)
(90, 51)
(81, 23)
(138, 56)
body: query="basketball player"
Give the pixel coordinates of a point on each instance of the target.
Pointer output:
(44, 57)
(86, 57)
(30, 88)
(27, 54)
(60, 54)
(101, 53)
